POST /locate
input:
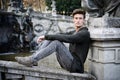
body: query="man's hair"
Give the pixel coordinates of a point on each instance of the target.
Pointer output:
(78, 11)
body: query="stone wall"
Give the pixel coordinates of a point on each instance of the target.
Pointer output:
(46, 23)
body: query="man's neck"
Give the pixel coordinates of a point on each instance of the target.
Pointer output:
(78, 28)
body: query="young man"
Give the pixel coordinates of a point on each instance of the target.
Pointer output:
(72, 59)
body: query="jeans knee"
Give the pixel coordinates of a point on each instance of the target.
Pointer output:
(57, 42)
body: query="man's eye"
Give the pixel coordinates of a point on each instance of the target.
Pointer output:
(80, 18)
(76, 18)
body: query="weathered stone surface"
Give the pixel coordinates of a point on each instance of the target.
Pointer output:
(106, 52)
(13, 76)
(51, 24)
(40, 72)
(113, 22)
(105, 28)
(105, 33)
(104, 22)
(105, 49)
(98, 8)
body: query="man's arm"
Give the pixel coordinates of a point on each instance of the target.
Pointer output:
(41, 38)
(74, 38)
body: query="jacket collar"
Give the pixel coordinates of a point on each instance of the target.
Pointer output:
(83, 28)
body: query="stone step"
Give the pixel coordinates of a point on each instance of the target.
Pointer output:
(13, 70)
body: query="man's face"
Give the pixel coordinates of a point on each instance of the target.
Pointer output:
(78, 20)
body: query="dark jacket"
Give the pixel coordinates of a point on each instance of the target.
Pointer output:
(79, 46)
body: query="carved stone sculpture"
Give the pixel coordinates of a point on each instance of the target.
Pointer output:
(98, 8)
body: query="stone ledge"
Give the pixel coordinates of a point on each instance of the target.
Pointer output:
(103, 34)
(14, 68)
(105, 22)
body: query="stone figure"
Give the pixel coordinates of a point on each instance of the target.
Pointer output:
(53, 8)
(13, 37)
(98, 8)
(9, 33)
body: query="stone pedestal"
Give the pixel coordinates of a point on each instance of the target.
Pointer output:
(105, 49)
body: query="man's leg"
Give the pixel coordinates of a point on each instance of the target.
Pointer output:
(64, 56)
(42, 45)
(39, 46)
(28, 61)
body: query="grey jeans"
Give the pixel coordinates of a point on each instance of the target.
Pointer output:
(63, 55)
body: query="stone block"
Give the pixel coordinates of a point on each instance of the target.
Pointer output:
(32, 78)
(104, 22)
(105, 51)
(106, 55)
(103, 71)
(104, 33)
(13, 76)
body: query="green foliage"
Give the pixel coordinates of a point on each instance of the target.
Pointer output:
(65, 6)
(48, 3)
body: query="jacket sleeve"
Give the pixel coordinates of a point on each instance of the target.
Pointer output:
(74, 38)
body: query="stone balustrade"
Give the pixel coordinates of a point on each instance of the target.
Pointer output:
(14, 71)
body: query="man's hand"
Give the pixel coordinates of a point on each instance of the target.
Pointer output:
(41, 38)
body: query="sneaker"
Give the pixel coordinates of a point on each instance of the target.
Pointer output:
(27, 61)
